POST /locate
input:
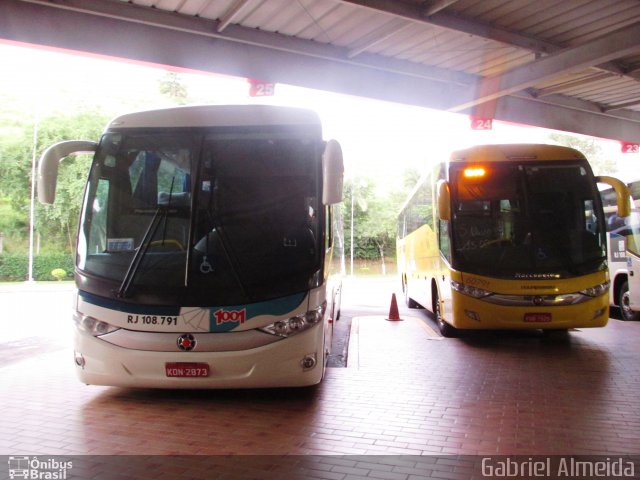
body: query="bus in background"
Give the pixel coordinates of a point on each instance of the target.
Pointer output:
(204, 248)
(633, 263)
(508, 237)
(624, 263)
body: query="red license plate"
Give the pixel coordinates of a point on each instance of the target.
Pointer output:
(537, 317)
(186, 369)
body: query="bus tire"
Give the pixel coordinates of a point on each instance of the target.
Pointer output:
(623, 302)
(446, 330)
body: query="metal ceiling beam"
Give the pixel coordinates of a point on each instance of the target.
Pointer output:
(458, 24)
(231, 14)
(133, 14)
(119, 29)
(564, 86)
(379, 35)
(435, 6)
(164, 38)
(621, 106)
(570, 115)
(617, 44)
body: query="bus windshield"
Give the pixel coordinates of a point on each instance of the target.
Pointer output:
(538, 218)
(214, 218)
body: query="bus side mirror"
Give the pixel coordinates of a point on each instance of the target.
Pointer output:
(622, 194)
(49, 161)
(332, 173)
(444, 200)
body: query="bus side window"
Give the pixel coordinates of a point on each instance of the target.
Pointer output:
(444, 241)
(98, 229)
(590, 221)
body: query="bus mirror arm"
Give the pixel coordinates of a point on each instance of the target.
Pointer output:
(622, 194)
(444, 200)
(49, 161)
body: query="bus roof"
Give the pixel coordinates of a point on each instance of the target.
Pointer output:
(503, 153)
(216, 116)
(516, 151)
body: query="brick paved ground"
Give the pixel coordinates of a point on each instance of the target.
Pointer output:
(405, 391)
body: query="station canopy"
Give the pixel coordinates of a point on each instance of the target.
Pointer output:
(571, 65)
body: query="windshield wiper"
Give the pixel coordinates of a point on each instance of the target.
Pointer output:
(212, 213)
(230, 260)
(146, 241)
(140, 252)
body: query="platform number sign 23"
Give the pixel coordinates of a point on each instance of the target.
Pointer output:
(629, 147)
(481, 123)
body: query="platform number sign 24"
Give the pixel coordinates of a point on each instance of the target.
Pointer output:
(481, 123)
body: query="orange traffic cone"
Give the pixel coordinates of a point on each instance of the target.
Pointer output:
(393, 310)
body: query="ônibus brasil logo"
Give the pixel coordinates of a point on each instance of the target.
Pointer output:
(230, 316)
(34, 468)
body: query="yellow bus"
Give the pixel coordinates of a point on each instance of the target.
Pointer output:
(508, 237)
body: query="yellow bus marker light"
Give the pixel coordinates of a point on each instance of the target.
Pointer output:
(475, 172)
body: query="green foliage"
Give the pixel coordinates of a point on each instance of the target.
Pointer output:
(15, 266)
(58, 274)
(57, 223)
(374, 220)
(23, 138)
(590, 149)
(12, 226)
(410, 178)
(171, 87)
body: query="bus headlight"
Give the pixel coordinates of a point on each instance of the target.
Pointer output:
(596, 290)
(474, 292)
(297, 324)
(92, 326)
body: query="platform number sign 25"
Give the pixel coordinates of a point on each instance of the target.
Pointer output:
(481, 123)
(259, 88)
(629, 147)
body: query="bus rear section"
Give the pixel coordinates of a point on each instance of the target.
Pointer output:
(204, 253)
(517, 241)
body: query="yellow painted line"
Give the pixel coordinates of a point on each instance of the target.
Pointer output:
(431, 333)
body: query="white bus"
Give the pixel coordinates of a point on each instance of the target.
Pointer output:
(204, 248)
(623, 238)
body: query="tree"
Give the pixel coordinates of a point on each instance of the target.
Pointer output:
(379, 225)
(171, 87)
(374, 220)
(587, 146)
(57, 222)
(62, 216)
(357, 193)
(410, 178)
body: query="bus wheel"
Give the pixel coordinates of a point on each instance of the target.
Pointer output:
(445, 329)
(623, 302)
